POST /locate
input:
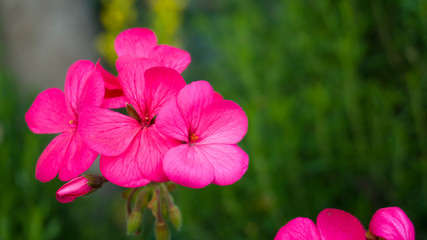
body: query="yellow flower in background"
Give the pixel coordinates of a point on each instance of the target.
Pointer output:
(115, 16)
(166, 19)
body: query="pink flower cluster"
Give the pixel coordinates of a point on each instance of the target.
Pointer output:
(185, 133)
(333, 224)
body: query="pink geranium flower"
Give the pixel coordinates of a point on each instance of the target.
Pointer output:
(132, 149)
(332, 224)
(55, 112)
(209, 129)
(392, 224)
(137, 43)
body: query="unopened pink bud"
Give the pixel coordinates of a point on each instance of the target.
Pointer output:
(79, 186)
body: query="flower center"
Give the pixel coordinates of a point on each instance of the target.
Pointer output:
(73, 123)
(145, 122)
(192, 139)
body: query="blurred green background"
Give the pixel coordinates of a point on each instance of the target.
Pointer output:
(335, 96)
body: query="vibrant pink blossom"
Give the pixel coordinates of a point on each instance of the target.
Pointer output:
(209, 129)
(54, 111)
(392, 224)
(78, 187)
(332, 224)
(132, 149)
(142, 43)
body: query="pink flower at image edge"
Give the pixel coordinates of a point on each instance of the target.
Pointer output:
(332, 224)
(392, 224)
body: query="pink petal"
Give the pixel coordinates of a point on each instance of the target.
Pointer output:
(122, 172)
(132, 80)
(192, 100)
(188, 166)
(135, 42)
(161, 84)
(93, 92)
(83, 86)
(49, 113)
(152, 149)
(124, 169)
(50, 160)
(298, 229)
(114, 99)
(107, 132)
(171, 57)
(335, 224)
(77, 159)
(222, 122)
(125, 60)
(114, 96)
(392, 224)
(170, 121)
(230, 162)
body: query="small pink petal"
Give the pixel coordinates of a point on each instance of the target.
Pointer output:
(107, 132)
(114, 100)
(222, 121)
(75, 82)
(192, 100)
(188, 166)
(161, 84)
(110, 81)
(124, 170)
(170, 121)
(135, 42)
(114, 96)
(230, 162)
(132, 80)
(392, 224)
(335, 224)
(49, 113)
(50, 160)
(77, 159)
(171, 57)
(217, 96)
(298, 229)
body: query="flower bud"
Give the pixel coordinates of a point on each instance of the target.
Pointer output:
(79, 186)
(175, 217)
(134, 222)
(162, 231)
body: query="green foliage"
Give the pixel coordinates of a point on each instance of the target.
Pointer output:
(334, 93)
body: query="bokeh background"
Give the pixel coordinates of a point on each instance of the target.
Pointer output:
(335, 92)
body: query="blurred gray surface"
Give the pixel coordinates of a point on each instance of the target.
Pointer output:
(43, 38)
